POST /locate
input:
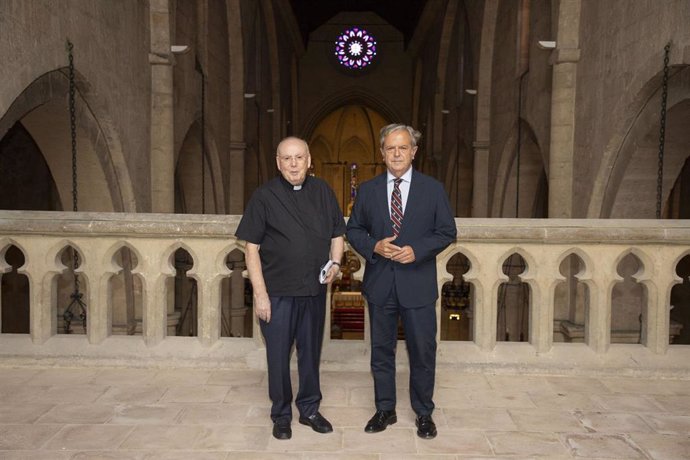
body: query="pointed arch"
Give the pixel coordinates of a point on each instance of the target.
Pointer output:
(532, 170)
(350, 96)
(188, 173)
(635, 138)
(96, 130)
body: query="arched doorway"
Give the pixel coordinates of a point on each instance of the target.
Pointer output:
(189, 196)
(345, 149)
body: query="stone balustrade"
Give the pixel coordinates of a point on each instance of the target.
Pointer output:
(543, 244)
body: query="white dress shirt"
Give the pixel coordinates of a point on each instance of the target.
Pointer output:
(404, 187)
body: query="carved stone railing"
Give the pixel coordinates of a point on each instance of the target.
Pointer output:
(543, 244)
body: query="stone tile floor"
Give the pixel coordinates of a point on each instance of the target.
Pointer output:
(129, 413)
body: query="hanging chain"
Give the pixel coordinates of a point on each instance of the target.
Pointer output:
(76, 296)
(72, 124)
(662, 133)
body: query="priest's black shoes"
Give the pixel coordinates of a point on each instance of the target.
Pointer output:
(380, 420)
(426, 428)
(281, 429)
(317, 422)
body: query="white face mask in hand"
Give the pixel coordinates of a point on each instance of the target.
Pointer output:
(324, 272)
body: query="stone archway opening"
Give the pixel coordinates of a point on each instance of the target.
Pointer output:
(522, 189)
(457, 302)
(513, 302)
(344, 148)
(197, 192)
(571, 311)
(39, 121)
(71, 288)
(15, 312)
(678, 203)
(680, 305)
(629, 189)
(126, 295)
(628, 303)
(27, 183)
(183, 296)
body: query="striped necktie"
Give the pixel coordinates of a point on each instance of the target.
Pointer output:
(396, 207)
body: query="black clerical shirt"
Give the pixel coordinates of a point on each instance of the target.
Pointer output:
(294, 229)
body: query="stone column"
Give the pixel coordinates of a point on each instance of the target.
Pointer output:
(40, 269)
(129, 291)
(237, 104)
(97, 296)
(542, 299)
(443, 277)
(162, 155)
(562, 148)
(154, 273)
(236, 183)
(600, 278)
(659, 282)
(154, 317)
(238, 309)
(480, 187)
(486, 276)
(480, 195)
(208, 281)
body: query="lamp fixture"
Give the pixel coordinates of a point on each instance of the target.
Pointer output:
(179, 49)
(546, 44)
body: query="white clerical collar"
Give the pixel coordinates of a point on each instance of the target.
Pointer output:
(291, 186)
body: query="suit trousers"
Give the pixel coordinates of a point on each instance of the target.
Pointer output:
(299, 321)
(420, 337)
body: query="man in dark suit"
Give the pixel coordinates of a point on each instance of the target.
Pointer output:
(401, 220)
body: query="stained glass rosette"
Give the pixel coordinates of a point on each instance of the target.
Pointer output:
(355, 48)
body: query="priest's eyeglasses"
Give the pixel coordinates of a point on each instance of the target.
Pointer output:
(286, 159)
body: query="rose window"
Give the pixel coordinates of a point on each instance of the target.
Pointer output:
(355, 48)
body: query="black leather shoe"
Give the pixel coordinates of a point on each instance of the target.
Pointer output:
(317, 422)
(426, 428)
(380, 420)
(281, 429)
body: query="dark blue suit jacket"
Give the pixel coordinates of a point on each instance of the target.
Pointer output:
(428, 227)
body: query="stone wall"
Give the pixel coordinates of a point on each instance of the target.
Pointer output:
(111, 59)
(326, 86)
(622, 49)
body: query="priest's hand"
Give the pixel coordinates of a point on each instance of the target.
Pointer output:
(262, 306)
